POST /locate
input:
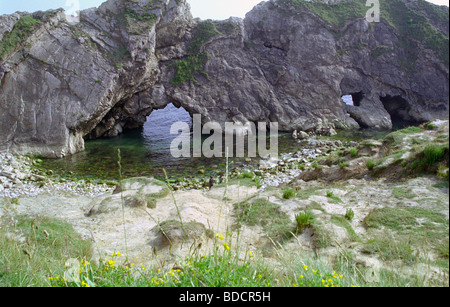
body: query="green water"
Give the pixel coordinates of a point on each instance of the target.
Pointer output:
(100, 160)
(146, 152)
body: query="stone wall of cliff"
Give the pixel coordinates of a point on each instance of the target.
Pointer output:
(288, 61)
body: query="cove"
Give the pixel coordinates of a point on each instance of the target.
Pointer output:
(146, 152)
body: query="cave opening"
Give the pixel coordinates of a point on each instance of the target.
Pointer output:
(156, 130)
(399, 109)
(353, 99)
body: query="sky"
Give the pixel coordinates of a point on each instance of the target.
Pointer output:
(205, 9)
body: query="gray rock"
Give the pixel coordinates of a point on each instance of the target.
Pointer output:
(282, 63)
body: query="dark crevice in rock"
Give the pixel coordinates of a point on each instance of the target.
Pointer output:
(357, 97)
(399, 109)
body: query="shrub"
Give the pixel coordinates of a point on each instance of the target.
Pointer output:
(349, 214)
(333, 198)
(288, 193)
(246, 175)
(434, 154)
(370, 164)
(354, 152)
(303, 220)
(343, 164)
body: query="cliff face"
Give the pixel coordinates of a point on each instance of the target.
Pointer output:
(288, 61)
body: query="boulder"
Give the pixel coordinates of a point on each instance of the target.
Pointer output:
(134, 193)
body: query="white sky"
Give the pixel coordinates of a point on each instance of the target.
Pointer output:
(205, 9)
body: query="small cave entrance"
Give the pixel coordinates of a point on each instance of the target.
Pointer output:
(353, 99)
(156, 130)
(399, 109)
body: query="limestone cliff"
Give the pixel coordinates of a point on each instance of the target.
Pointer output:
(288, 61)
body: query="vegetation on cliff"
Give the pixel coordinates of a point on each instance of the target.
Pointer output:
(19, 34)
(195, 62)
(412, 25)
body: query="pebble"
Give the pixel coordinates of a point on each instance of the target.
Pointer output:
(18, 178)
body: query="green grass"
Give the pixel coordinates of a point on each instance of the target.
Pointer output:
(400, 233)
(203, 33)
(370, 164)
(335, 14)
(20, 32)
(307, 193)
(412, 26)
(303, 220)
(138, 22)
(349, 214)
(434, 154)
(402, 193)
(46, 245)
(333, 198)
(390, 249)
(266, 214)
(343, 222)
(288, 193)
(354, 152)
(404, 218)
(187, 68)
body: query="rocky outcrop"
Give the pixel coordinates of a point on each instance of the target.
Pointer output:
(288, 61)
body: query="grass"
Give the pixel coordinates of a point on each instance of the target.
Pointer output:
(303, 220)
(411, 25)
(43, 250)
(335, 14)
(343, 222)
(333, 198)
(203, 33)
(396, 234)
(266, 214)
(186, 69)
(354, 152)
(19, 34)
(405, 218)
(402, 193)
(370, 164)
(424, 229)
(434, 154)
(349, 214)
(288, 193)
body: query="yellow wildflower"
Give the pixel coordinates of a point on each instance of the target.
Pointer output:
(219, 236)
(305, 267)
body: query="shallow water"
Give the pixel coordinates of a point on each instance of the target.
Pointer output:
(146, 152)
